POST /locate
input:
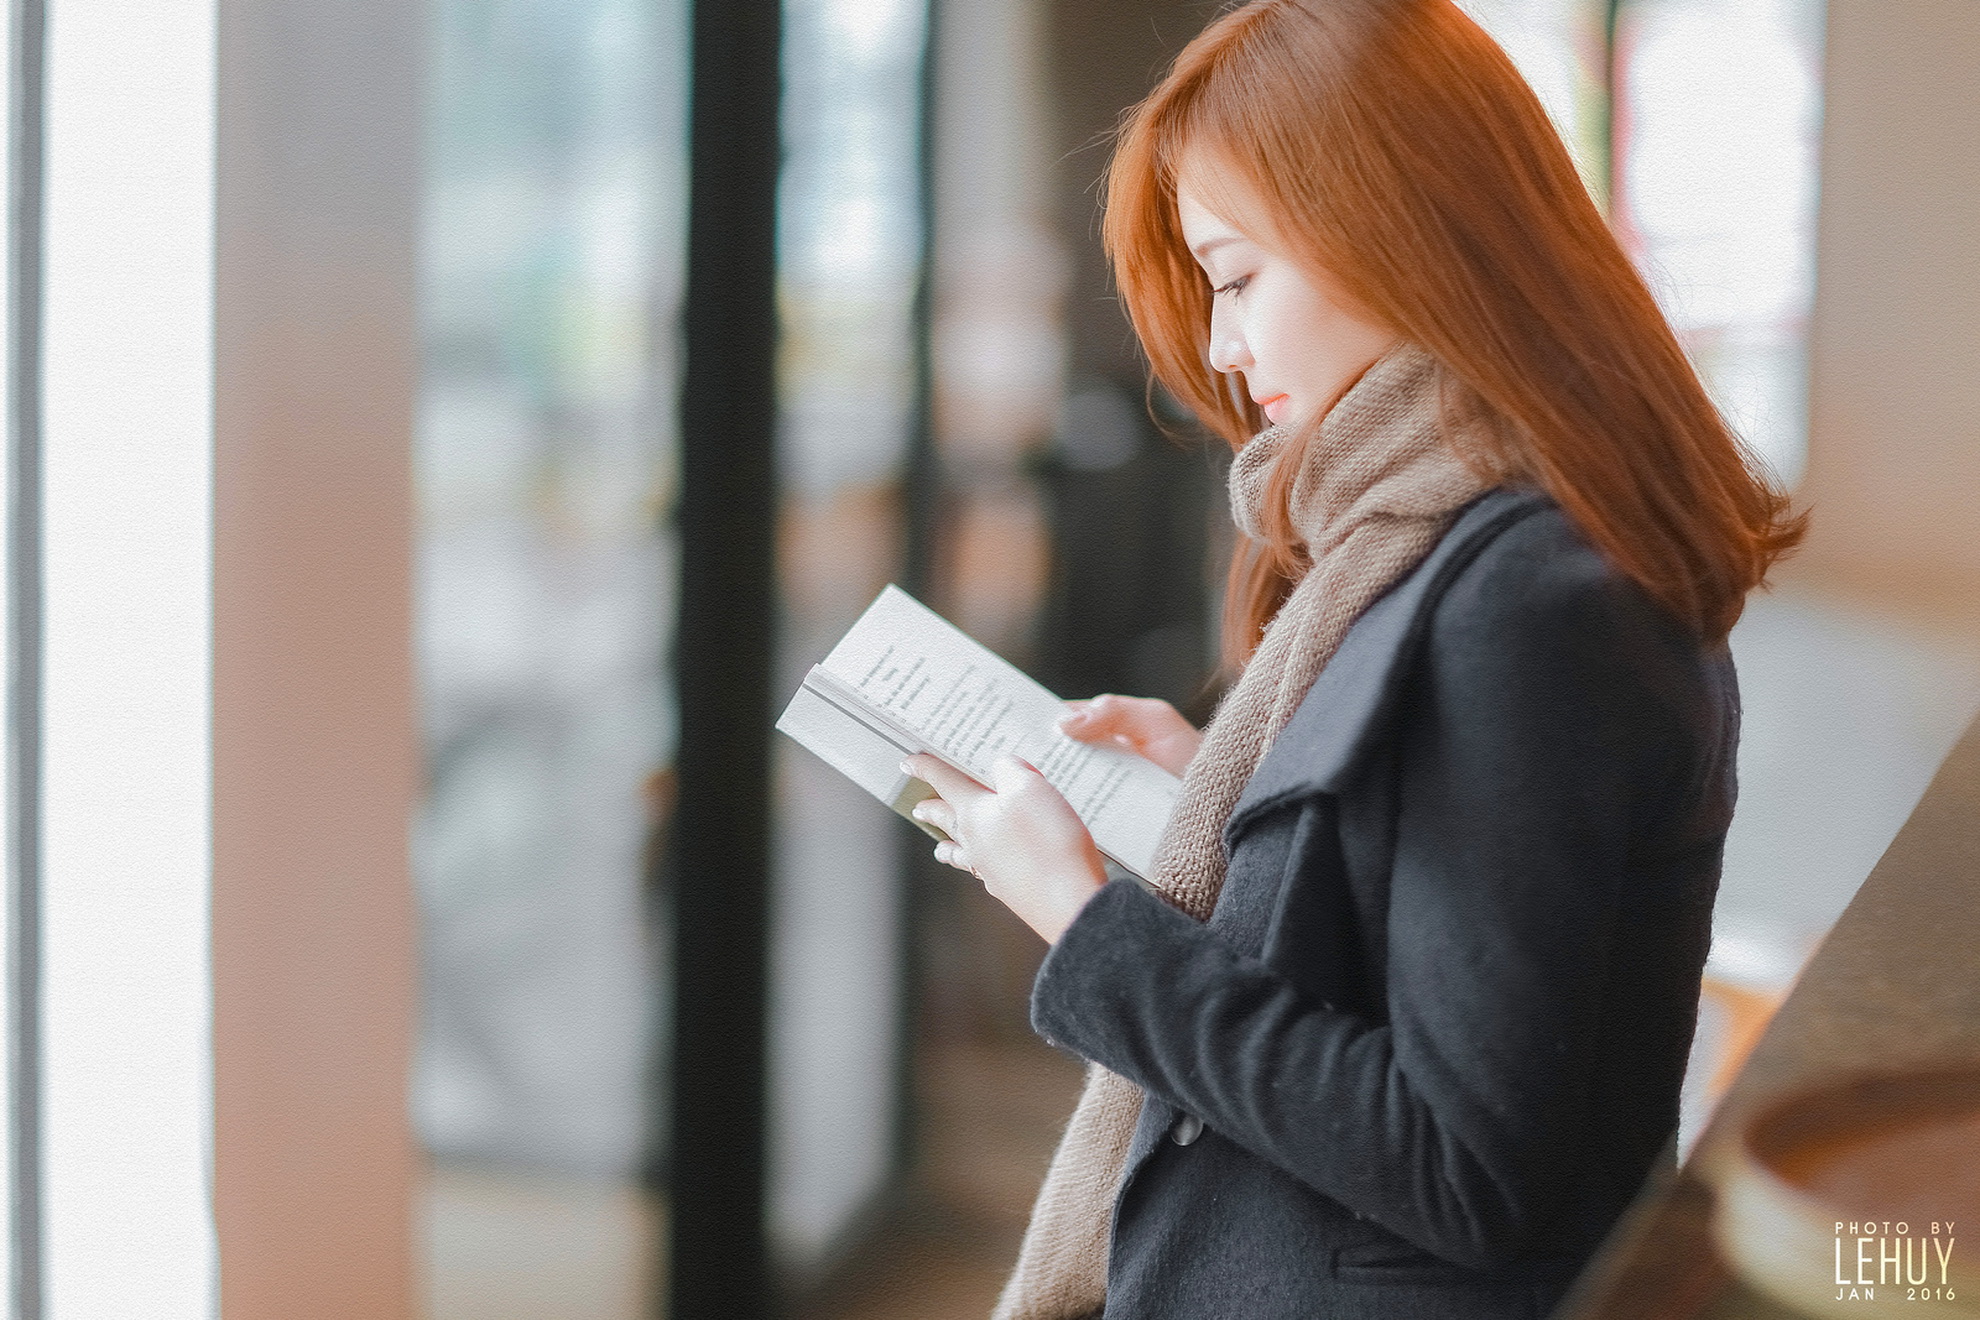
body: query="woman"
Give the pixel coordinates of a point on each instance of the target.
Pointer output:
(1401, 1026)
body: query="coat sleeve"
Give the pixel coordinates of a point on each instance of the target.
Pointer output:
(1545, 724)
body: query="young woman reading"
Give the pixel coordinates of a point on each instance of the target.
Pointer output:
(1399, 1028)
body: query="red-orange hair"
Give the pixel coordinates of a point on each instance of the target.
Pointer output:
(1393, 146)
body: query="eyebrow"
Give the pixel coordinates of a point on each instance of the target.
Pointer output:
(1209, 245)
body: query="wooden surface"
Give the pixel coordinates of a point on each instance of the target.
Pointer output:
(1896, 984)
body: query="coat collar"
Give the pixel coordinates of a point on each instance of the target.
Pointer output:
(1347, 703)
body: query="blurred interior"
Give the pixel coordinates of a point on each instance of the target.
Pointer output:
(1787, 175)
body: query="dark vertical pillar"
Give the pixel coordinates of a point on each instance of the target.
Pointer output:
(728, 506)
(1127, 608)
(25, 141)
(1104, 55)
(921, 475)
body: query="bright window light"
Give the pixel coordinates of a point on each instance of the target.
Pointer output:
(128, 444)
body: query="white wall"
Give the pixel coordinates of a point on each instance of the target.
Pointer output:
(1894, 360)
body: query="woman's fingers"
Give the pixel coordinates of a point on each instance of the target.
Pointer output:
(1153, 728)
(938, 813)
(944, 778)
(1136, 719)
(1094, 721)
(1020, 837)
(953, 788)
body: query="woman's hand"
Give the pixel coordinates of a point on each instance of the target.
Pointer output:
(1152, 728)
(1018, 836)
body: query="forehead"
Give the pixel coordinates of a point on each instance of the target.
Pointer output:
(1203, 229)
(1213, 201)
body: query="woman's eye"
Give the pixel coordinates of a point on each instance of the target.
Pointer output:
(1235, 286)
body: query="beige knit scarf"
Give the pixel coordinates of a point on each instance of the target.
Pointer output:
(1380, 485)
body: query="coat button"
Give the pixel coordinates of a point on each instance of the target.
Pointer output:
(1187, 1129)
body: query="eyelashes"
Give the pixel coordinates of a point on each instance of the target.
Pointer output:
(1235, 286)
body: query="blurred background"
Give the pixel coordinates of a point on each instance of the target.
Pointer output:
(938, 196)
(483, 942)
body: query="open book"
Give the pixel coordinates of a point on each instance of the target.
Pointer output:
(905, 680)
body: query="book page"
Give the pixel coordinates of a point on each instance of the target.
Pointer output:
(925, 682)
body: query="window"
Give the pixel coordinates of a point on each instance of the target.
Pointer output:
(1702, 117)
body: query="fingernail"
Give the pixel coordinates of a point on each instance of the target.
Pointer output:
(920, 811)
(906, 769)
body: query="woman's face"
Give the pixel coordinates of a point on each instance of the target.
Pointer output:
(1298, 342)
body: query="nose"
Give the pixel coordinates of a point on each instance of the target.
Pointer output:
(1228, 351)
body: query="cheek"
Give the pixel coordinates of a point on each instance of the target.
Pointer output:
(1293, 339)
(1330, 349)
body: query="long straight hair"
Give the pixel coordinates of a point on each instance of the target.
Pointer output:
(1391, 145)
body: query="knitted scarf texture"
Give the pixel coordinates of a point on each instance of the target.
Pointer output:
(1379, 486)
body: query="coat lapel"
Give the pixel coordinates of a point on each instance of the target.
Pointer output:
(1351, 698)
(1322, 743)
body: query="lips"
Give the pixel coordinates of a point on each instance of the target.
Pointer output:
(1273, 406)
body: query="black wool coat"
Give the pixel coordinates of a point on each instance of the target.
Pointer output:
(1430, 1043)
